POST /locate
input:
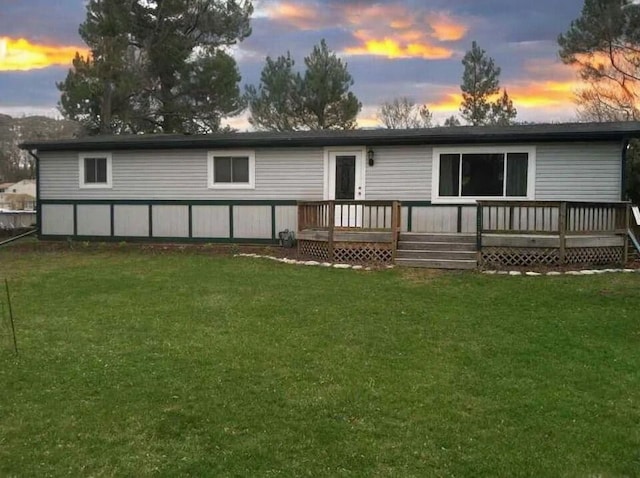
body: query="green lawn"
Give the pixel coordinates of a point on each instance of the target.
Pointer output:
(139, 364)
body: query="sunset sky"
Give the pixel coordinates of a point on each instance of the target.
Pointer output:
(393, 48)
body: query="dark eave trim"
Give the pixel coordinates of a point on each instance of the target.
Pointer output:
(439, 136)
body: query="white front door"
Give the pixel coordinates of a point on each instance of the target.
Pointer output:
(346, 183)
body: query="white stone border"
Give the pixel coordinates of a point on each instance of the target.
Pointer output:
(589, 272)
(284, 260)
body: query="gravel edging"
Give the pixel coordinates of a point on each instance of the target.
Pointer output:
(588, 272)
(284, 260)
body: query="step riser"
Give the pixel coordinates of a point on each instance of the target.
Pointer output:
(437, 255)
(436, 246)
(455, 238)
(434, 264)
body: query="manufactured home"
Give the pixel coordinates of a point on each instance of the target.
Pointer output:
(441, 197)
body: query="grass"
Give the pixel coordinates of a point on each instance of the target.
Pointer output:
(143, 364)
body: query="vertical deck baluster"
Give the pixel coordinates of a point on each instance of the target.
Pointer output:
(490, 223)
(562, 232)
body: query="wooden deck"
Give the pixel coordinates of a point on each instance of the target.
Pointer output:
(507, 233)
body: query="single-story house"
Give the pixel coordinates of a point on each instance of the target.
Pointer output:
(438, 197)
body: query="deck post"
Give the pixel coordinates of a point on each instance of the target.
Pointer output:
(562, 232)
(300, 227)
(396, 217)
(479, 226)
(332, 226)
(627, 226)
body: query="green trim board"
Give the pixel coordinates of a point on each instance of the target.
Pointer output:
(172, 202)
(150, 220)
(112, 219)
(273, 222)
(142, 239)
(623, 178)
(75, 219)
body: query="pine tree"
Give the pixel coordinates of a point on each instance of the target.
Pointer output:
(604, 43)
(480, 84)
(319, 99)
(157, 66)
(502, 111)
(275, 103)
(326, 98)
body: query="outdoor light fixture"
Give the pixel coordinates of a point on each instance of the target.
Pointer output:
(370, 155)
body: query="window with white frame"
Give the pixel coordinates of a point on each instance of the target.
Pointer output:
(467, 174)
(232, 169)
(95, 170)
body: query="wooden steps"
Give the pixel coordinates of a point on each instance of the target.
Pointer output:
(437, 251)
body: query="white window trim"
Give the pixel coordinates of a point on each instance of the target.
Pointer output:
(252, 169)
(435, 176)
(108, 184)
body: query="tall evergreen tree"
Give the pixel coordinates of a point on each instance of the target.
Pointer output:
(503, 112)
(318, 99)
(156, 66)
(604, 43)
(480, 84)
(327, 100)
(275, 103)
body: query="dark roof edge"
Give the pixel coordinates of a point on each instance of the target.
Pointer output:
(438, 136)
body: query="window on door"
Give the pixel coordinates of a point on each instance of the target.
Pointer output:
(345, 178)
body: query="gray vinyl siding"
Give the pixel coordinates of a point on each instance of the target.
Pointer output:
(564, 171)
(280, 174)
(579, 172)
(400, 173)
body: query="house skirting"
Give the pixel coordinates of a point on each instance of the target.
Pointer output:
(231, 222)
(522, 250)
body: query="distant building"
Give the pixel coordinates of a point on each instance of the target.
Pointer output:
(18, 196)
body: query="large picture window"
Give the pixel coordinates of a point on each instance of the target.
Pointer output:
(232, 169)
(95, 170)
(483, 173)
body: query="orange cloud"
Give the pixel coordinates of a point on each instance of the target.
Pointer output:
(391, 48)
(545, 94)
(387, 30)
(21, 55)
(537, 94)
(447, 103)
(304, 17)
(446, 28)
(393, 31)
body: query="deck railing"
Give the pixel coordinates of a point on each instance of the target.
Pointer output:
(358, 215)
(352, 216)
(554, 218)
